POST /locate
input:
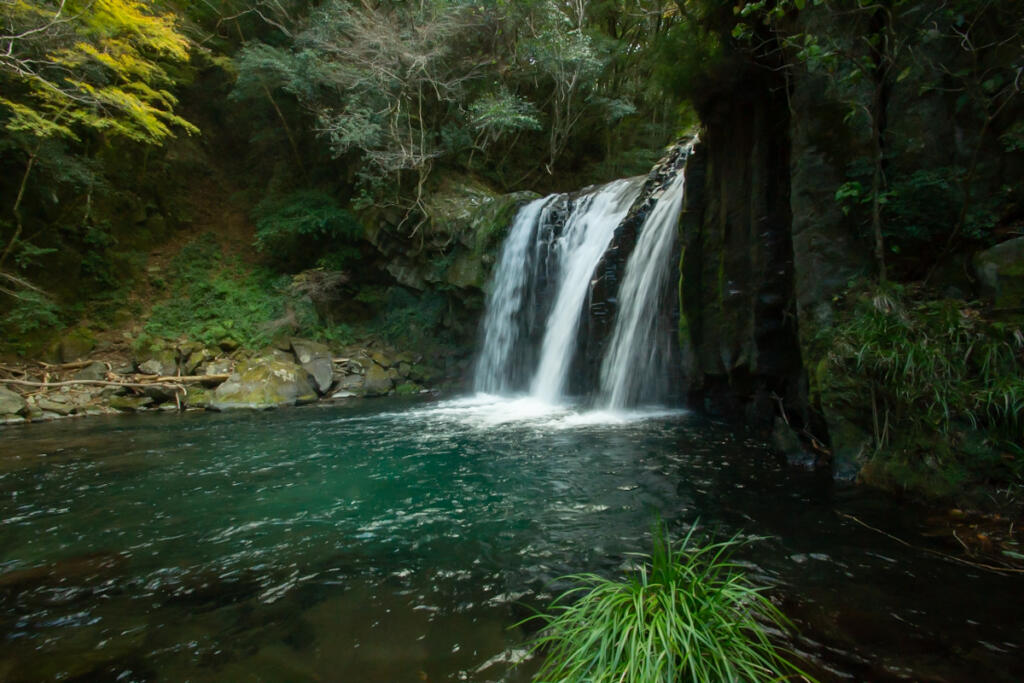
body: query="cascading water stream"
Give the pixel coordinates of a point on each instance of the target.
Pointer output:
(633, 369)
(505, 301)
(584, 240)
(546, 274)
(540, 283)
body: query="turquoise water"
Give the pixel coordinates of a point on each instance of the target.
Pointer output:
(401, 541)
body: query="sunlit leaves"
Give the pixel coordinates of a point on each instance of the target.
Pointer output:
(90, 64)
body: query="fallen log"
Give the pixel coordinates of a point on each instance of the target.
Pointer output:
(193, 378)
(94, 382)
(77, 365)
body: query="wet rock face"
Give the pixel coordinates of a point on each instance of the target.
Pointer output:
(263, 383)
(739, 326)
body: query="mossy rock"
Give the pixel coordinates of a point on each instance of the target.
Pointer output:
(262, 383)
(162, 361)
(381, 359)
(198, 397)
(1001, 272)
(408, 389)
(452, 205)
(75, 345)
(424, 374)
(467, 271)
(491, 221)
(130, 404)
(378, 381)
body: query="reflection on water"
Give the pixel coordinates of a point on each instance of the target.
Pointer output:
(400, 541)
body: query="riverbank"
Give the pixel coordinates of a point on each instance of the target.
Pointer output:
(192, 376)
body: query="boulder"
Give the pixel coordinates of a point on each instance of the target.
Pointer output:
(187, 348)
(340, 395)
(76, 345)
(264, 383)
(159, 362)
(316, 360)
(1000, 271)
(378, 381)
(160, 393)
(381, 359)
(424, 374)
(96, 371)
(55, 406)
(193, 360)
(217, 367)
(351, 384)
(467, 270)
(11, 403)
(130, 404)
(198, 397)
(408, 389)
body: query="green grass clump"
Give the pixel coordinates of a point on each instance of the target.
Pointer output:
(687, 614)
(937, 386)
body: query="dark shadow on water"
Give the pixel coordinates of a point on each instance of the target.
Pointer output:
(400, 541)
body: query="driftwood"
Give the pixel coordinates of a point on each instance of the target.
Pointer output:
(94, 382)
(192, 378)
(77, 365)
(1001, 569)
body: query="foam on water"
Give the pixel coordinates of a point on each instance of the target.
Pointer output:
(486, 411)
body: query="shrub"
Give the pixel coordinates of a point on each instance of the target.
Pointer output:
(688, 613)
(215, 297)
(938, 386)
(287, 227)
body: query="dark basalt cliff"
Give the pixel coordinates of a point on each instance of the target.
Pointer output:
(769, 248)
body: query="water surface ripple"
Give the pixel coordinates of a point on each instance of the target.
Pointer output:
(400, 541)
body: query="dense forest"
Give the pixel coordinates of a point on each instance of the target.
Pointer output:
(227, 174)
(736, 283)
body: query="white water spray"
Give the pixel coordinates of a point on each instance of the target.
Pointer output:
(634, 365)
(583, 242)
(511, 278)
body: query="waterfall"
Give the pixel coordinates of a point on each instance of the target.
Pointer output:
(634, 365)
(560, 252)
(497, 367)
(578, 250)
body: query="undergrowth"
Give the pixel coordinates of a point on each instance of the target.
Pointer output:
(939, 387)
(687, 613)
(213, 298)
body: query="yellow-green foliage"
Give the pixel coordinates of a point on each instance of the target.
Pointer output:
(95, 64)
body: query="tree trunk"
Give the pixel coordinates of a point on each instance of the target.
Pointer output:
(16, 210)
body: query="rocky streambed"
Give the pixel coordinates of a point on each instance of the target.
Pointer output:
(191, 376)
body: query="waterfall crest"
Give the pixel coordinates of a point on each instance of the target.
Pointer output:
(549, 270)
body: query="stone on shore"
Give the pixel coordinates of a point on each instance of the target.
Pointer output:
(264, 383)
